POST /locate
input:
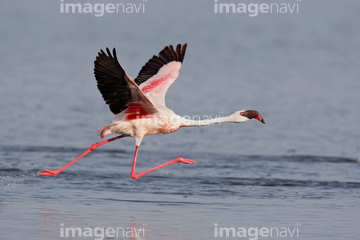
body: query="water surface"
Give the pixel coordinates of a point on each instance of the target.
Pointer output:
(299, 170)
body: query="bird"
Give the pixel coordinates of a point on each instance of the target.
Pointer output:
(139, 104)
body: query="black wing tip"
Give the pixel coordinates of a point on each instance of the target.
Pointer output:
(110, 80)
(183, 50)
(104, 56)
(107, 53)
(178, 53)
(168, 54)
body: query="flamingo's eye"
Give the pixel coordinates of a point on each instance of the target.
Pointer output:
(242, 113)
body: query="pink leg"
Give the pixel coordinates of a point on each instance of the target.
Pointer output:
(91, 148)
(177, 160)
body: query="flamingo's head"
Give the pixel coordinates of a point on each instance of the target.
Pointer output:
(252, 114)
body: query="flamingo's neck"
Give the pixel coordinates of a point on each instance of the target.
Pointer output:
(210, 121)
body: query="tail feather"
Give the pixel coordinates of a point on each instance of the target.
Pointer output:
(104, 131)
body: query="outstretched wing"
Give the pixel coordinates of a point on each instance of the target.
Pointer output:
(160, 72)
(117, 89)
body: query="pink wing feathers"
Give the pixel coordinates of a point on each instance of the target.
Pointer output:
(142, 97)
(160, 72)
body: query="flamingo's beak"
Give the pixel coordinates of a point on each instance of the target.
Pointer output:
(260, 118)
(253, 114)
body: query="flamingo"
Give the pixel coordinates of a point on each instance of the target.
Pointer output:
(139, 105)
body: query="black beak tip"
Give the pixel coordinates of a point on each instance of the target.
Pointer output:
(263, 121)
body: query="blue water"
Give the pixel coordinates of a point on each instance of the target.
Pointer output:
(300, 170)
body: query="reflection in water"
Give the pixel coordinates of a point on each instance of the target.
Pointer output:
(56, 223)
(171, 204)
